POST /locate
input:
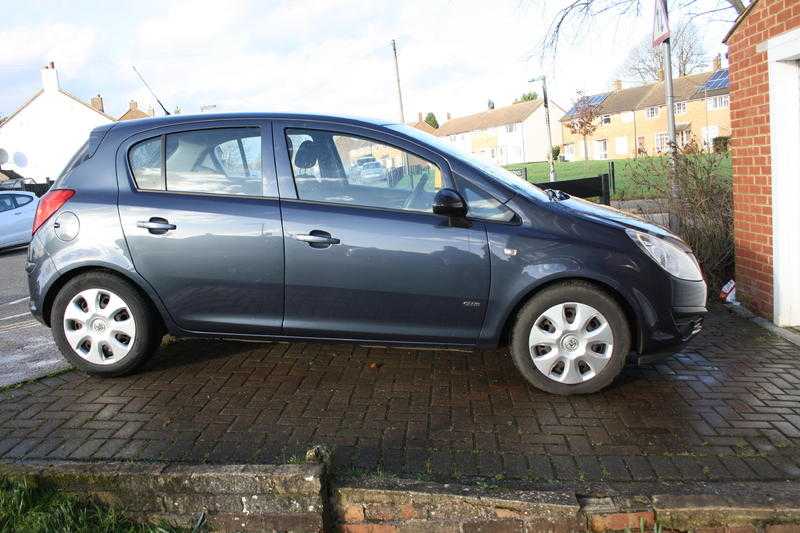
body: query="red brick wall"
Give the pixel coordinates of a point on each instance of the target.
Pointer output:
(752, 175)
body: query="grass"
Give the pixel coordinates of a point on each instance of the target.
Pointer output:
(27, 506)
(625, 188)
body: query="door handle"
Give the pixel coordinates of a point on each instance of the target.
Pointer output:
(317, 238)
(156, 225)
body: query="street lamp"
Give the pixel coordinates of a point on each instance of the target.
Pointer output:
(550, 161)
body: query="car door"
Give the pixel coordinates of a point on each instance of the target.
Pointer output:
(8, 221)
(24, 215)
(199, 209)
(366, 258)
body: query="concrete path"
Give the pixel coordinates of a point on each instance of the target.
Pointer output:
(27, 350)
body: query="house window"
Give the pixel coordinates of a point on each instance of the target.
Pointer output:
(605, 119)
(680, 108)
(601, 149)
(569, 152)
(621, 145)
(683, 137)
(652, 112)
(510, 128)
(662, 142)
(719, 102)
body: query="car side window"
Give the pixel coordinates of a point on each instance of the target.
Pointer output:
(345, 169)
(21, 199)
(482, 205)
(145, 161)
(6, 203)
(213, 161)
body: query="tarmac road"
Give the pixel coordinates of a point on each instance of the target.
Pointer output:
(27, 350)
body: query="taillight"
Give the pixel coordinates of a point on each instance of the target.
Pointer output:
(49, 204)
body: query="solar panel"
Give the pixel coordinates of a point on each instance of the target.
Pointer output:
(718, 80)
(593, 100)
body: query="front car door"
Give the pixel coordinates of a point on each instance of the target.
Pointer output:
(366, 258)
(8, 220)
(200, 213)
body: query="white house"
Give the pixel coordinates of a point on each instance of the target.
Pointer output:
(38, 139)
(506, 135)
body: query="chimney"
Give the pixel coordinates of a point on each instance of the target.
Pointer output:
(50, 78)
(717, 62)
(616, 85)
(419, 116)
(660, 73)
(151, 111)
(133, 105)
(448, 115)
(97, 103)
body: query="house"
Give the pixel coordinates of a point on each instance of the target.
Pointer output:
(40, 137)
(421, 125)
(764, 57)
(631, 122)
(134, 112)
(505, 135)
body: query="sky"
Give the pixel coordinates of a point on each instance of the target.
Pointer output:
(320, 56)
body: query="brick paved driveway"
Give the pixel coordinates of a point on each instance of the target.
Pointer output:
(726, 408)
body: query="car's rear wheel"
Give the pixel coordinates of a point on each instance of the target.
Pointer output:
(103, 325)
(571, 338)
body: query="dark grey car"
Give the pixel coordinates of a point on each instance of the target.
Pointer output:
(250, 226)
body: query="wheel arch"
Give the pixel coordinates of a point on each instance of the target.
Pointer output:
(137, 283)
(628, 306)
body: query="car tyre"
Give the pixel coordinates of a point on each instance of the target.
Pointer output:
(578, 357)
(77, 313)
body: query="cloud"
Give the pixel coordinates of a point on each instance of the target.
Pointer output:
(70, 46)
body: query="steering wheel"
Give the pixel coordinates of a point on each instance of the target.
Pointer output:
(417, 192)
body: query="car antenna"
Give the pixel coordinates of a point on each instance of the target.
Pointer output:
(151, 90)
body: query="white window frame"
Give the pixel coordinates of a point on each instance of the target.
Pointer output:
(604, 154)
(783, 59)
(652, 112)
(664, 145)
(721, 101)
(680, 108)
(605, 119)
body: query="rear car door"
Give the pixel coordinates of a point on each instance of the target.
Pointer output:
(200, 213)
(24, 214)
(366, 258)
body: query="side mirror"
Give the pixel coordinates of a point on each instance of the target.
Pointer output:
(450, 204)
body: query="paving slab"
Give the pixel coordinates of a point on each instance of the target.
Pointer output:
(726, 408)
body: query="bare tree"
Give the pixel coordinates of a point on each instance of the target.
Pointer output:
(583, 121)
(581, 12)
(645, 63)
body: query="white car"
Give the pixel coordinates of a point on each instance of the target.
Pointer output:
(17, 210)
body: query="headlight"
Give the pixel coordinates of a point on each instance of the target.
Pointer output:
(670, 257)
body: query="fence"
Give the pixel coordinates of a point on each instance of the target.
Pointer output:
(601, 186)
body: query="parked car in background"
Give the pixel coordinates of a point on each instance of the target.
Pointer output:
(17, 210)
(149, 231)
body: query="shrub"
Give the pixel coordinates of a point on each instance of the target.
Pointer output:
(721, 144)
(702, 205)
(556, 151)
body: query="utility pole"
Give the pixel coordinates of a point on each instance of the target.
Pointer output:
(397, 75)
(551, 163)
(661, 36)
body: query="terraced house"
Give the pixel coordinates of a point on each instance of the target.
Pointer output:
(633, 121)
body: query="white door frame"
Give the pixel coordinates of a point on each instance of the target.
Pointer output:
(783, 54)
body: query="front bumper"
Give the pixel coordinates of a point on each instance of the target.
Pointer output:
(675, 321)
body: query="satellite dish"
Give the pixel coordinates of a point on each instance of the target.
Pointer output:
(3, 157)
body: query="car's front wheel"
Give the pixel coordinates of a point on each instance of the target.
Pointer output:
(103, 325)
(571, 338)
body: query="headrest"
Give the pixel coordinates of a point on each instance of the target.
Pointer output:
(307, 154)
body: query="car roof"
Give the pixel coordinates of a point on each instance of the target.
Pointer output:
(148, 123)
